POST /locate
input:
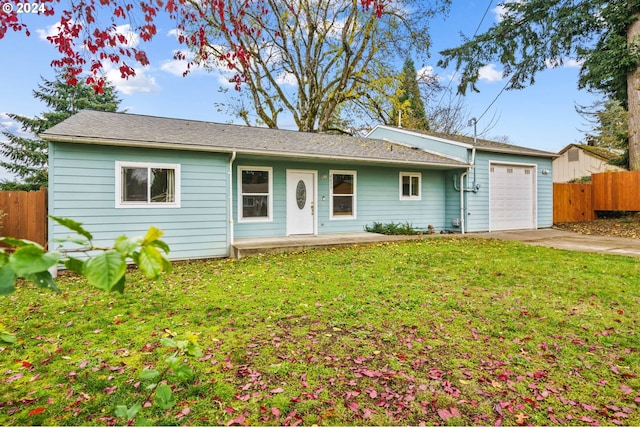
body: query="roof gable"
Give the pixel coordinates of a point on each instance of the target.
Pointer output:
(599, 152)
(103, 128)
(468, 142)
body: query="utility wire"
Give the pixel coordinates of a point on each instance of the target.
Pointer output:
(494, 99)
(474, 34)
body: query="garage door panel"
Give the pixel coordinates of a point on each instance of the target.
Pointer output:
(512, 197)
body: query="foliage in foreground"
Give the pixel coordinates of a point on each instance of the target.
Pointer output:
(104, 267)
(439, 331)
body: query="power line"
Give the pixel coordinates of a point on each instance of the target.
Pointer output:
(474, 34)
(494, 99)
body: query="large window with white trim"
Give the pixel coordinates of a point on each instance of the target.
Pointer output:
(410, 186)
(343, 194)
(144, 185)
(255, 185)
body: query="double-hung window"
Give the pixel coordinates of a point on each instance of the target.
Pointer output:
(410, 186)
(256, 189)
(145, 185)
(343, 194)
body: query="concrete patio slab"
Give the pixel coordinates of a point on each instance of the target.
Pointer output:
(549, 237)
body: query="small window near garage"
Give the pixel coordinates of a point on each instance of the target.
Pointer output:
(255, 186)
(343, 194)
(410, 186)
(573, 155)
(147, 185)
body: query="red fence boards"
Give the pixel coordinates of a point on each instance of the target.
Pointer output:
(572, 203)
(616, 191)
(608, 191)
(25, 215)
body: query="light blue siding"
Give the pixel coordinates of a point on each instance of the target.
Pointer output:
(82, 187)
(477, 203)
(477, 209)
(377, 198)
(452, 149)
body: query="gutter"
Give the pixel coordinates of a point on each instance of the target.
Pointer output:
(231, 150)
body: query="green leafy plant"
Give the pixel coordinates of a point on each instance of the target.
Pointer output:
(160, 391)
(393, 228)
(106, 271)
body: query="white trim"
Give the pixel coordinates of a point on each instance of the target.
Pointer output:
(410, 175)
(269, 217)
(120, 204)
(354, 194)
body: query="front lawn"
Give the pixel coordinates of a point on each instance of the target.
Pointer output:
(440, 331)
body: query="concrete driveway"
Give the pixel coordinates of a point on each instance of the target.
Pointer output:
(561, 239)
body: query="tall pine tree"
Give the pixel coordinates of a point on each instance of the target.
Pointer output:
(26, 158)
(408, 108)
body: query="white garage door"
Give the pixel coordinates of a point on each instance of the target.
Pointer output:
(512, 197)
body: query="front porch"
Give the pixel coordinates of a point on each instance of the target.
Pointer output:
(253, 246)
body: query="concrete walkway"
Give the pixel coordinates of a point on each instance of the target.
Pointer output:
(561, 239)
(549, 237)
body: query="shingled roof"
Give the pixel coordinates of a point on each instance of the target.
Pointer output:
(131, 130)
(481, 144)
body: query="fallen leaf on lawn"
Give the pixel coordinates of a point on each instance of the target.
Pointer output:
(15, 377)
(626, 389)
(521, 419)
(277, 390)
(36, 411)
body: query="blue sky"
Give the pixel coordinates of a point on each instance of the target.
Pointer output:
(542, 116)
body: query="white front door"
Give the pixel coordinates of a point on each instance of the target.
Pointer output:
(301, 202)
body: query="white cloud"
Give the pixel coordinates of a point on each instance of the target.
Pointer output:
(177, 67)
(49, 31)
(287, 79)
(7, 124)
(140, 83)
(427, 75)
(565, 63)
(500, 11)
(489, 73)
(132, 39)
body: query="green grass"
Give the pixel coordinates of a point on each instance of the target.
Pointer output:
(441, 331)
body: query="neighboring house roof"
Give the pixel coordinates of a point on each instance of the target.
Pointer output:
(481, 144)
(605, 154)
(131, 130)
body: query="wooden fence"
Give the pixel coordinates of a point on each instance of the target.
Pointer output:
(608, 191)
(24, 215)
(572, 203)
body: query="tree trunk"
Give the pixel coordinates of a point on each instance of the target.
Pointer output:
(633, 93)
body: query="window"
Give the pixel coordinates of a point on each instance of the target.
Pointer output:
(255, 201)
(410, 183)
(343, 194)
(146, 185)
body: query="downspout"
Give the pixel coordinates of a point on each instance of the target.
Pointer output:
(230, 236)
(462, 209)
(472, 167)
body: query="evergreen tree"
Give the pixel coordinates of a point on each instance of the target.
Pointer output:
(26, 158)
(408, 102)
(534, 35)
